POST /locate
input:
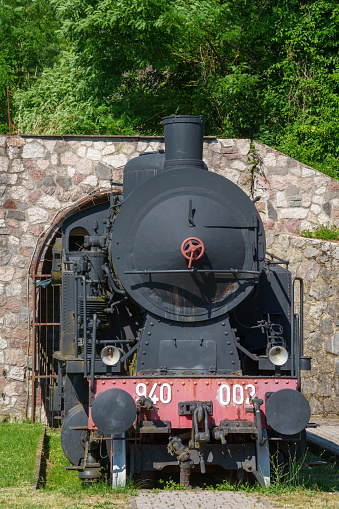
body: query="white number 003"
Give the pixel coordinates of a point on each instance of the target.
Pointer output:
(236, 395)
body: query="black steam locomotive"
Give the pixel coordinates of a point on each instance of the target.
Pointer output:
(180, 346)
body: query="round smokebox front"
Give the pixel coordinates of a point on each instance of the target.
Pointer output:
(177, 239)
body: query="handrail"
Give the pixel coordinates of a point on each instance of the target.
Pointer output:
(297, 330)
(83, 279)
(94, 341)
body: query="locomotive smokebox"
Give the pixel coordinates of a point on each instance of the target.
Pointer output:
(184, 135)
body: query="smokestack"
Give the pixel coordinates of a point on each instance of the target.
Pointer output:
(184, 135)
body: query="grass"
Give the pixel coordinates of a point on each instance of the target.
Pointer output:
(307, 487)
(314, 488)
(56, 478)
(59, 488)
(18, 447)
(322, 231)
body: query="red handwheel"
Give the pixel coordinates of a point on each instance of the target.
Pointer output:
(192, 249)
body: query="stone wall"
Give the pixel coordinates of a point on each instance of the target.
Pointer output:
(317, 262)
(39, 176)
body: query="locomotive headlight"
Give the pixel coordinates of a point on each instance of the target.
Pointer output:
(278, 355)
(110, 355)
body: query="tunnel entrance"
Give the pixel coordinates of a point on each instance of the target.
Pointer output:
(45, 324)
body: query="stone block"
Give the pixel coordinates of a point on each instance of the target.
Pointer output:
(84, 167)
(15, 357)
(103, 171)
(16, 373)
(109, 149)
(308, 172)
(310, 385)
(316, 406)
(141, 147)
(82, 151)
(6, 273)
(3, 164)
(42, 164)
(226, 142)
(325, 385)
(91, 180)
(20, 332)
(64, 182)
(50, 145)
(14, 289)
(272, 213)
(15, 141)
(238, 165)
(243, 146)
(309, 270)
(17, 166)
(116, 160)
(215, 146)
(317, 309)
(327, 208)
(3, 341)
(12, 389)
(311, 252)
(33, 150)
(9, 204)
(37, 215)
(332, 344)
(71, 171)
(331, 406)
(333, 185)
(93, 155)
(49, 202)
(13, 305)
(78, 178)
(278, 183)
(69, 158)
(130, 148)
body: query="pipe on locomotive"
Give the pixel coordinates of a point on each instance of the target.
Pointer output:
(184, 136)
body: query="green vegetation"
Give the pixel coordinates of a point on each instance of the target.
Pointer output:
(56, 478)
(18, 446)
(302, 478)
(309, 486)
(262, 70)
(325, 232)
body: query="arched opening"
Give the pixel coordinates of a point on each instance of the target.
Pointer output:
(77, 238)
(46, 310)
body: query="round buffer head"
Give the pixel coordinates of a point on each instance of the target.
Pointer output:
(113, 411)
(287, 411)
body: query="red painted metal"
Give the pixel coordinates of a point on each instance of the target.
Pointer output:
(192, 249)
(10, 124)
(230, 395)
(9, 114)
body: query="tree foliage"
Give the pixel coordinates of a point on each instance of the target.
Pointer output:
(28, 43)
(266, 70)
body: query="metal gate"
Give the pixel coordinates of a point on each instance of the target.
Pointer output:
(46, 327)
(46, 312)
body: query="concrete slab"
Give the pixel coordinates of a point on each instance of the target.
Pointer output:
(197, 499)
(326, 436)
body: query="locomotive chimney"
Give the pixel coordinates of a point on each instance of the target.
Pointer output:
(184, 136)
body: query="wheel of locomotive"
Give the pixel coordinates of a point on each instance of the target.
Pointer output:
(73, 442)
(153, 262)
